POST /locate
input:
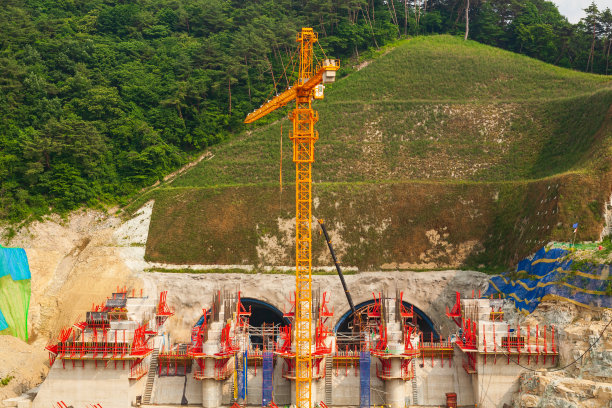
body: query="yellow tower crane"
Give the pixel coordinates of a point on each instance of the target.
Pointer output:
(303, 91)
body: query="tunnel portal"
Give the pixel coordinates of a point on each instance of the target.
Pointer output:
(423, 322)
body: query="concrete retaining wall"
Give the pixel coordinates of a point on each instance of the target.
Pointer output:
(83, 386)
(345, 388)
(169, 390)
(492, 386)
(434, 382)
(495, 383)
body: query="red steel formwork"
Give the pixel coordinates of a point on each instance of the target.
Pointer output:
(322, 332)
(493, 339)
(94, 340)
(163, 310)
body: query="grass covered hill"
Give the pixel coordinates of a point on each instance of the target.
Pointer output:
(437, 153)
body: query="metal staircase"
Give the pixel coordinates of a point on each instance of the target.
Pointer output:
(151, 377)
(415, 394)
(328, 379)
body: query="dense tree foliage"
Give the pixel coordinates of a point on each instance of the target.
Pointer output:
(535, 28)
(102, 97)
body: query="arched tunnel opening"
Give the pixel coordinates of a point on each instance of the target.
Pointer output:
(264, 321)
(263, 313)
(424, 324)
(265, 317)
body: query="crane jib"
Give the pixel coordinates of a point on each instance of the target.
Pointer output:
(325, 74)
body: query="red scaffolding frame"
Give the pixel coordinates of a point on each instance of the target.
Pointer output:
(94, 340)
(455, 312)
(513, 343)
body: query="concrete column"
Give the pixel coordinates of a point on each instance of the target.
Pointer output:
(211, 393)
(395, 387)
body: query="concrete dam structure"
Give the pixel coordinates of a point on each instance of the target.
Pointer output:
(241, 351)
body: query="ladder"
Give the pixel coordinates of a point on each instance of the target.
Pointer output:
(151, 377)
(415, 393)
(232, 391)
(328, 380)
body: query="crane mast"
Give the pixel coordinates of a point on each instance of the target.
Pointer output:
(303, 137)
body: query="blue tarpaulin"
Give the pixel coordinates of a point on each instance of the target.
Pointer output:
(3, 323)
(14, 291)
(14, 262)
(268, 377)
(549, 275)
(364, 379)
(242, 376)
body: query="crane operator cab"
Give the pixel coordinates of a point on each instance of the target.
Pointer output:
(318, 91)
(329, 76)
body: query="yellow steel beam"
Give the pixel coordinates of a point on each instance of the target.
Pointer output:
(273, 104)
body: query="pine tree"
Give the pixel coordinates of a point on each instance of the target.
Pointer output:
(592, 21)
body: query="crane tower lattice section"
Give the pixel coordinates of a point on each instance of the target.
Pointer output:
(303, 137)
(306, 88)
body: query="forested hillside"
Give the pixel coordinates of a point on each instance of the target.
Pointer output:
(100, 98)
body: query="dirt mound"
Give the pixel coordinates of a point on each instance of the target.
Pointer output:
(24, 363)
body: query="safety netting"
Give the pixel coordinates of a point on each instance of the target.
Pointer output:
(242, 370)
(267, 381)
(550, 274)
(364, 379)
(15, 289)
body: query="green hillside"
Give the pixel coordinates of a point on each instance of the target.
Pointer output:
(493, 152)
(102, 98)
(443, 68)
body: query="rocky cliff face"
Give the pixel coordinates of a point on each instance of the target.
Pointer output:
(587, 381)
